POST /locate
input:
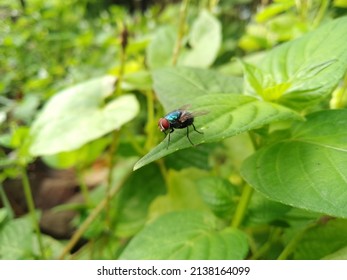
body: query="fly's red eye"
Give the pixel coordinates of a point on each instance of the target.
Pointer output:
(163, 124)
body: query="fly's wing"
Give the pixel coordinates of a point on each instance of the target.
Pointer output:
(184, 114)
(188, 115)
(184, 107)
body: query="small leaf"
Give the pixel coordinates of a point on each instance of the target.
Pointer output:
(181, 85)
(186, 235)
(77, 115)
(310, 67)
(229, 115)
(307, 170)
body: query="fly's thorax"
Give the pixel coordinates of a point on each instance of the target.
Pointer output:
(173, 116)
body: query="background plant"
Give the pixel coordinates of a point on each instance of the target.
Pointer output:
(85, 83)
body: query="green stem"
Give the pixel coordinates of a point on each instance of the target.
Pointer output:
(112, 151)
(118, 89)
(183, 14)
(242, 206)
(31, 207)
(93, 215)
(83, 187)
(115, 134)
(273, 237)
(6, 202)
(293, 243)
(321, 12)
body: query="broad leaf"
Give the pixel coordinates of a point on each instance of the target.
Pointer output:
(204, 40)
(187, 235)
(219, 194)
(302, 72)
(307, 170)
(338, 255)
(228, 115)
(322, 240)
(15, 239)
(161, 47)
(179, 86)
(130, 207)
(198, 158)
(261, 210)
(78, 115)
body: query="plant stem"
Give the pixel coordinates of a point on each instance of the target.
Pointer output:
(242, 206)
(112, 162)
(183, 14)
(93, 215)
(273, 236)
(118, 89)
(83, 187)
(163, 171)
(294, 242)
(321, 12)
(246, 192)
(115, 134)
(31, 206)
(6, 202)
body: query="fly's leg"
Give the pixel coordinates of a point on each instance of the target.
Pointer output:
(188, 137)
(196, 129)
(168, 142)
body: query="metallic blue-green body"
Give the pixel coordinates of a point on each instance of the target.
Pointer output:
(172, 117)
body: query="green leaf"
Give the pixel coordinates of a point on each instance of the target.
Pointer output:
(198, 158)
(186, 235)
(338, 255)
(322, 240)
(16, 239)
(179, 86)
(204, 40)
(308, 170)
(130, 207)
(182, 193)
(219, 194)
(229, 115)
(81, 157)
(77, 115)
(261, 210)
(309, 67)
(160, 49)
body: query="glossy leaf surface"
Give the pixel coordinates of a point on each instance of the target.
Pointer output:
(229, 115)
(308, 170)
(187, 235)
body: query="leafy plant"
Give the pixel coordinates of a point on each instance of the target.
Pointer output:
(265, 180)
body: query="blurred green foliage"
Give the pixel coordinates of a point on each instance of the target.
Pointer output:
(84, 83)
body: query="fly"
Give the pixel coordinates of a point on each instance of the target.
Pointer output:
(179, 119)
